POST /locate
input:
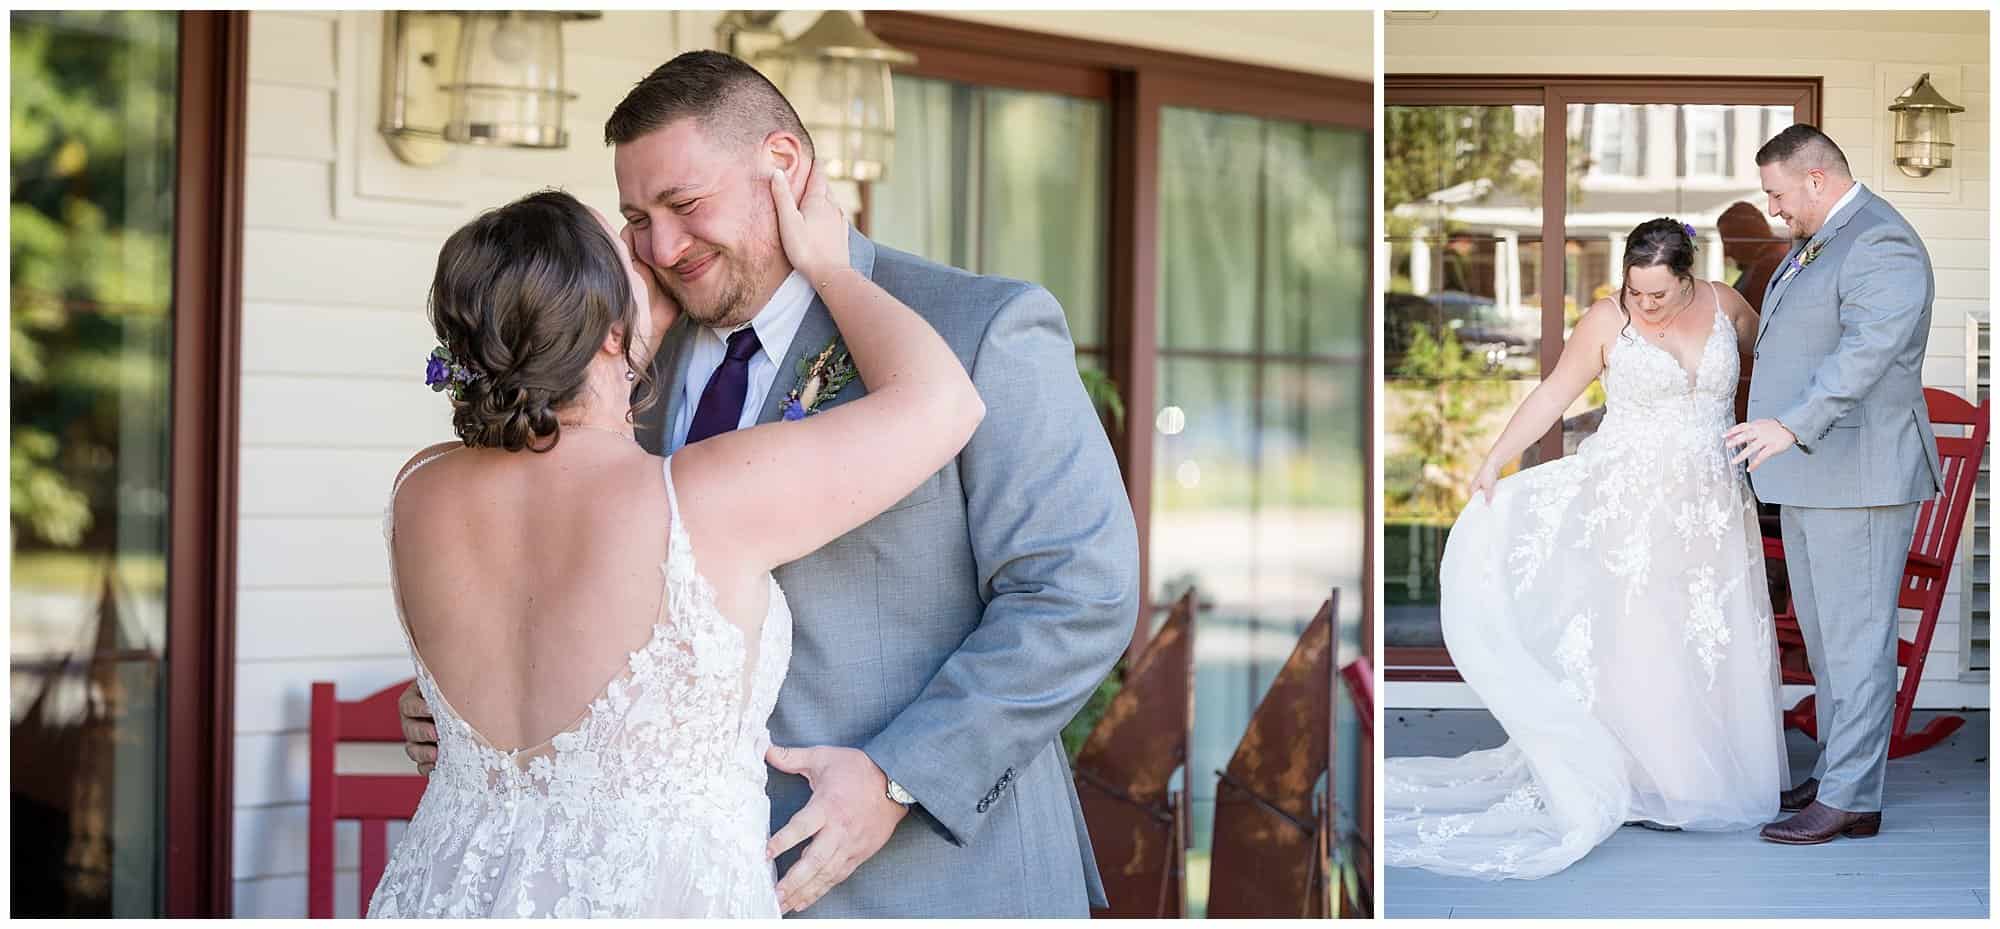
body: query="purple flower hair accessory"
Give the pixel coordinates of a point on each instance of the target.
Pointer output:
(1689, 229)
(442, 372)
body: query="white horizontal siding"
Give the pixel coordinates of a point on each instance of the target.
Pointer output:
(1846, 50)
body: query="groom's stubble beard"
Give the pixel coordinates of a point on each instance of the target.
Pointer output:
(748, 275)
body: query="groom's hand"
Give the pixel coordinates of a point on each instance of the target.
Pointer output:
(1759, 440)
(420, 732)
(849, 818)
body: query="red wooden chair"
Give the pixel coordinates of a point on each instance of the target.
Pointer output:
(1940, 524)
(1357, 898)
(1138, 827)
(373, 799)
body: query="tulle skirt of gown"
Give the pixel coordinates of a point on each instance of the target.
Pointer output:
(1610, 609)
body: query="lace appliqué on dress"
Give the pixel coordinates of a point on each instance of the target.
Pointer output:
(652, 804)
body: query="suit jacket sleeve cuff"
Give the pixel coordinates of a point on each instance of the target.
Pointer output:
(1795, 421)
(933, 797)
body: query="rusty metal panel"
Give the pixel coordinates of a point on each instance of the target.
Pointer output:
(1138, 828)
(1271, 843)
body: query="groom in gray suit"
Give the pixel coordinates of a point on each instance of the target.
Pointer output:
(1838, 378)
(939, 649)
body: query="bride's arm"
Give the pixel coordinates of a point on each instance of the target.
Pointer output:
(784, 489)
(1743, 319)
(1582, 361)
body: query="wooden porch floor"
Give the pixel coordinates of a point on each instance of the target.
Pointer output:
(1930, 859)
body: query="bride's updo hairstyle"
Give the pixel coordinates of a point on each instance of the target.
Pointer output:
(1656, 243)
(523, 298)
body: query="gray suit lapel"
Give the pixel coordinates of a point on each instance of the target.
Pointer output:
(655, 428)
(1777, 285)
(1775, 295)
(815, 331)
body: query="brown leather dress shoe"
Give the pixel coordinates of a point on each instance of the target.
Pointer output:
(1797, 798)
(1818, 824)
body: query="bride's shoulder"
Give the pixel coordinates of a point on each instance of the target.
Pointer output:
(422, 458)
(1733, 304)
(1602, 319)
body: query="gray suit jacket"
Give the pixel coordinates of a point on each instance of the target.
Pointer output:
(1840, 362)
(953, 636)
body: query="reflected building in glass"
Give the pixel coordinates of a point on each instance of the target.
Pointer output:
(1473, 317)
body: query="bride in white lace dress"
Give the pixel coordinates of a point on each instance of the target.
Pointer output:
(1609, 607)
(596, 629)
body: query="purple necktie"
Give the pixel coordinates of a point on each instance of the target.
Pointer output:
(721, 405)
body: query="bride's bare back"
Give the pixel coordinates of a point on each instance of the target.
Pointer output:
(523, 612)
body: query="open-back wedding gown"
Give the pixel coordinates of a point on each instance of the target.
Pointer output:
(651, 804)
(1610, 610)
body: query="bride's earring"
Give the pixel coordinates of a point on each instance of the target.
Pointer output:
(631, 375)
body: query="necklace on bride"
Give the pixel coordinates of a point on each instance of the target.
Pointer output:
(1661, 333)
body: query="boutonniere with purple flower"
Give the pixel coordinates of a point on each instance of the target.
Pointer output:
(820, 377)
(1800, 260)
(1812, 251)
(443, 373)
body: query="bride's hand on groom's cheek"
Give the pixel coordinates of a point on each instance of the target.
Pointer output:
(812, 228)
(658, 300)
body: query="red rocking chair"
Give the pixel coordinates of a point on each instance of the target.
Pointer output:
(1940, 524)
(1357, 899)
(373, 799)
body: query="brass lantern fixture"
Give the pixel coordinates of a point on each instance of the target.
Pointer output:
(1923, 129)
(837, 76)
(487, 77)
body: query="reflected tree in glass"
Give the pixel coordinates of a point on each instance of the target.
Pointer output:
(91, 150)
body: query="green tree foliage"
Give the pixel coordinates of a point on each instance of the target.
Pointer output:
(1448, 391)
(92, 121)
(1427, 149)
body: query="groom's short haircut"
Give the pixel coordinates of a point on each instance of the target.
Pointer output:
(731, 100)
(1803, 147)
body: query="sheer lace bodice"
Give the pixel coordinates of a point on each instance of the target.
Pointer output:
(651, 804)
(1610, 610)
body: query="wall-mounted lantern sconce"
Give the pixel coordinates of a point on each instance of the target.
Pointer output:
(473, 78)
(1923, 129)
(836, 74)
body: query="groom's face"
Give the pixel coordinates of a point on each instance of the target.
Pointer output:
(700, 212)
(1797, 197)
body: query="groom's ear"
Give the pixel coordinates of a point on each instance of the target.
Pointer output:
(788, 154)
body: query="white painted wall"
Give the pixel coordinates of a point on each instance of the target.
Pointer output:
(340, 243)
(1864, 59)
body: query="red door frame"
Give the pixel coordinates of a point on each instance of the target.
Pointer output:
(201, 550)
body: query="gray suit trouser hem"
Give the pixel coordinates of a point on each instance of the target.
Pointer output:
(1846, 568)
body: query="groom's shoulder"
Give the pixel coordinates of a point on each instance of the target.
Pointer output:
(940, 291)
(1879, 224)
(1879, 213)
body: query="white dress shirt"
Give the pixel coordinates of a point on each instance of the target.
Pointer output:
(776, 324)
